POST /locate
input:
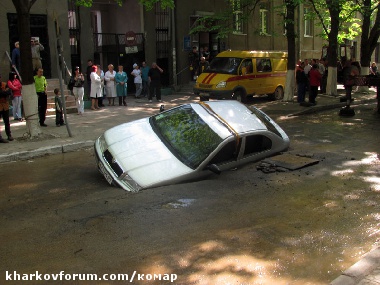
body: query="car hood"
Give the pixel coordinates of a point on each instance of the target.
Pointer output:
(141, 153)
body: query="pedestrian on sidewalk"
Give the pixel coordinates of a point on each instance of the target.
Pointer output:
(136, 72)
(101, 74)
(4, 111)
(15, 85)
(109, 78)
(58, 108)
(96, 88)
(301, 80)
(78, 90)
(155, 82)
(41, 85)
(145, 79)
(121, 79)
(315, 78)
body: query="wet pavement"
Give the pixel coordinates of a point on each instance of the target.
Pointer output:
(87, 128)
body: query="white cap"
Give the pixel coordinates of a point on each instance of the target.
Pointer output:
(134, 65)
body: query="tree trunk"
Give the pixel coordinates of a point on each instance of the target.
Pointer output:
(29, 94)
(290, 35)
(332, 55)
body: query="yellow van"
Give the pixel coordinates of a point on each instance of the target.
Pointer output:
(239, 74)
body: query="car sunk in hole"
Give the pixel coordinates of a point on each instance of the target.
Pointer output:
(185, 143)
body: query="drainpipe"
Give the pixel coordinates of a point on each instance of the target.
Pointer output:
(173, 36)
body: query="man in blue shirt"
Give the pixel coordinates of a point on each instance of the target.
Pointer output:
(145, 79)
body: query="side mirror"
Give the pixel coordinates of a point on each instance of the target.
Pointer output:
(214, 168)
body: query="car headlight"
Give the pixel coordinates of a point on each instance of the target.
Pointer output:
(102, 143)
(130, 183)
(221, 84)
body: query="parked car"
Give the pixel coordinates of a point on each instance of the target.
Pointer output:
(186, 143)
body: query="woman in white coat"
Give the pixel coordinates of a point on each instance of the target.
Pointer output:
(96, 87)
(109, 78)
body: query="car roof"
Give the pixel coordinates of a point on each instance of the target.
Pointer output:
(236, 114)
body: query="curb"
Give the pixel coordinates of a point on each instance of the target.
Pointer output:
(360, 270)
(25, 155)
(316, 109)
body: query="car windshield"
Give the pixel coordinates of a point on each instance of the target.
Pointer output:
(185, 134)
(226, 65)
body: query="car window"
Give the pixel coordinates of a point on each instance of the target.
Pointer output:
(257, 143)
(263, 65)
(246, 67)
(185, 134)
(225, 154)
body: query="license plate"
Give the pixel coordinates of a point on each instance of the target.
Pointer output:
(105, 173)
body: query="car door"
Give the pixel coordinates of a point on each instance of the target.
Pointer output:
(264, 72)
(227, 156)
(247, 76)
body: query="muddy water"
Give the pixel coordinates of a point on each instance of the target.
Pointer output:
(243, 227)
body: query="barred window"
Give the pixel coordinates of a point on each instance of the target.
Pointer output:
(237, 17)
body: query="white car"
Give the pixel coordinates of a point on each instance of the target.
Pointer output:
(186, 143)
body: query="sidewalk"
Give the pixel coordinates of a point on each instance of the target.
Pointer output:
(86, 128)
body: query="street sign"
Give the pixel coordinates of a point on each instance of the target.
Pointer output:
(131, 49)
(130, 39)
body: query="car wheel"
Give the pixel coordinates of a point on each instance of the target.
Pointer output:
(239, 95)
(278, 94)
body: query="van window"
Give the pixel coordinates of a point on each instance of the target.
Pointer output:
(263, 65)
(225, 65)
(246, 67)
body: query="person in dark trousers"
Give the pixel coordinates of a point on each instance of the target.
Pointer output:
(315, 78)
(58, 109)
(4, 111)
(88, 76)
(41, 85)
(302, 81)
(16, 62)
(155, 81)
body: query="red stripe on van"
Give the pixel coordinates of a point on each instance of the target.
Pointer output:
(262, 75)
(211, 77)
(205, 79)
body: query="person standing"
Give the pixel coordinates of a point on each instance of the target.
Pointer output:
(315, 80)
(193, 63)
(96, 88)
(88, 76)
(203, 65)
(136, 72)
(4, 111)
(121, 79)
(15, 85)
(155, 82)
(58, 109)
(145, 79)
(101, 74)
(78, 90)
(36, 53)
(109, 78)
(301, 80)
(16, 62)
(41, 85)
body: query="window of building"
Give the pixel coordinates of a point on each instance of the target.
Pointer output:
(237, 17)
(308, 23)
(264, 22)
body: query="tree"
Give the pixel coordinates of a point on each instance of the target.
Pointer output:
(291, 37)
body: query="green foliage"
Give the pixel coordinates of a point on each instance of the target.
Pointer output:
(149, 4)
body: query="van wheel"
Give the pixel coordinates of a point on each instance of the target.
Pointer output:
(239, 95)
(278, 94)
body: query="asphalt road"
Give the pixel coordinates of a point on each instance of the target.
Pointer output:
(242, 227)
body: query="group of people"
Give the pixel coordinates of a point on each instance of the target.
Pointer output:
(113, 84)
(198, 61)
(309, 77)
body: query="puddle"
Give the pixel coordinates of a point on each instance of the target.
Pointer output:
(180, 203)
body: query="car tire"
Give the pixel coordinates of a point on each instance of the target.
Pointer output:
(240, 96)
(278, 94)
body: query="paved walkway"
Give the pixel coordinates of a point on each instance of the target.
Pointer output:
(86, 128)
